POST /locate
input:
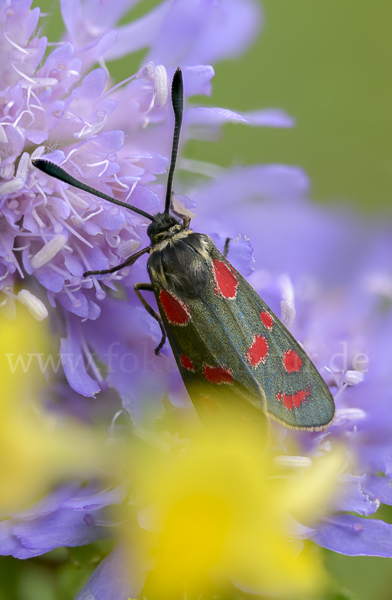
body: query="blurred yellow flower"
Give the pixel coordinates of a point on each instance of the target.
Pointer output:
(36, 450)
(220, 515)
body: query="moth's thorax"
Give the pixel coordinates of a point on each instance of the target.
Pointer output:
(181, 262)
(169, 238)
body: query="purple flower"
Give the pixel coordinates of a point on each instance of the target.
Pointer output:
(72, 515)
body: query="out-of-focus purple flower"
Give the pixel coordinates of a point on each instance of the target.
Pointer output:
(72, 515)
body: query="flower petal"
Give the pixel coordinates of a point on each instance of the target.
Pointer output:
(269, 117)
(73, 363)
(355, 536)
(115, 577)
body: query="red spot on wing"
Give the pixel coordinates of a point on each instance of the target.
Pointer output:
(292, 362)
(267, 319)
(295, 400)
(288, 401)
(187, 363)
(176, 311)
(258, 351)
(217, 374)
(226, 283)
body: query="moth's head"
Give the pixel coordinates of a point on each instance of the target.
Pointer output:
(163, 226)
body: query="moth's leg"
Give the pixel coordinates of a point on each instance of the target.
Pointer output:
(130, 261)
(147, 287)
(226, 247)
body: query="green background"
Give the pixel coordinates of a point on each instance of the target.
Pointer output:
(328, 64)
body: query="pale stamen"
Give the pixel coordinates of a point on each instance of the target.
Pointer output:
(34, 305)
(49, 251)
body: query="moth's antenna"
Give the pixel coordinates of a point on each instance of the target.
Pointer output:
(54, 170)
(178, 106)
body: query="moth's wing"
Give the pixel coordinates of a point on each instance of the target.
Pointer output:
(296, 394)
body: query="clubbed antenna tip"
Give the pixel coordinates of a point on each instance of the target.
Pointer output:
(50, 168)
(178, 108)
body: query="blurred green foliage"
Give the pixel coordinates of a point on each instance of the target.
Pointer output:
(327, 63)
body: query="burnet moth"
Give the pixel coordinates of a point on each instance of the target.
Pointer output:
(233, 353)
